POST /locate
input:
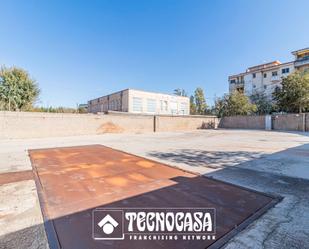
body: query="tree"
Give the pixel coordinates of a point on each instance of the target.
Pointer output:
(293, 96)
(220, 107)
(180, 92)
(51, 109)
(200, 101)
(82, 109)
(234, 104)
(263, 105)
(192, 105)
(17, 90)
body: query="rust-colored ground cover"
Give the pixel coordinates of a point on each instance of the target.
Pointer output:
(17, 176)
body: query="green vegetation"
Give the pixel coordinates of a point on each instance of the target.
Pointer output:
(200, 101)
(180, 92)
(293, 96)
(197, 101)
(17, 90)
(234, 104)
(263, 105)
(59, 109)
(192, 105)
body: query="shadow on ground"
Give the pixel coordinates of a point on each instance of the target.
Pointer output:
(210, 159)
(30, 237)
(284, 173)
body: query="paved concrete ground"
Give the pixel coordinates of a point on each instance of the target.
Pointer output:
(272, 162)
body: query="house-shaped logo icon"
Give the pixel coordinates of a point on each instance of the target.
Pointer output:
(108, 223)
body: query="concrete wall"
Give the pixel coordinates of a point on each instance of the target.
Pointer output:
(243, 122)
(290, 122)
(185, 123)
(284, 122)
(34, 125)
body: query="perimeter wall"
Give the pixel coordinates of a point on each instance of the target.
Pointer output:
(39, 124)
(284, 122)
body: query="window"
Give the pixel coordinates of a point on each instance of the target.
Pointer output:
(184, 108)
(275, 73)
(173, 107)
(151, 105)
(254, 86)
(265, 87)
(137, 104)
(254, 75)
(285, 70)
(265, 75)
(164, 105)
(233, 81)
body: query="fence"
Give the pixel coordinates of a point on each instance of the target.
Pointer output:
(243, 122)
(34, 125)
(286, 122)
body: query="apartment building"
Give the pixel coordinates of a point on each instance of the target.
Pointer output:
(136, 101)
(266, 77)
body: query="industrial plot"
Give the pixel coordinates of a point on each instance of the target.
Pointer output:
(274, 163)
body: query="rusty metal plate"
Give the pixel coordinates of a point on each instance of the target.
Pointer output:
(72, 181)
(17, 176)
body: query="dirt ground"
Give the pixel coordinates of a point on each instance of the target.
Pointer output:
(270, 162)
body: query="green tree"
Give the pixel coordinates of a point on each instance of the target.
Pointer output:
(59, 109)
(220, 107)
(233, 104)
(17, 90)
(180, 92)
(200, 101)
(192, 105)
(293, 96)
(263, 105)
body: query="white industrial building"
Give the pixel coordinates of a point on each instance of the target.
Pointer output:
(136, 101)
(266, 77)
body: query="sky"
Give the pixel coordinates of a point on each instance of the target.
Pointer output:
(80, 50)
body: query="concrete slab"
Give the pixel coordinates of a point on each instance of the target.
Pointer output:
(271, 162)
(12, 162)
(20, 217)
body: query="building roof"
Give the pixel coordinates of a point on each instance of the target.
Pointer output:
(300, 51)
(173, 95)
(127, 89)
(262, 67)
(270, 65)
(237, 75)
